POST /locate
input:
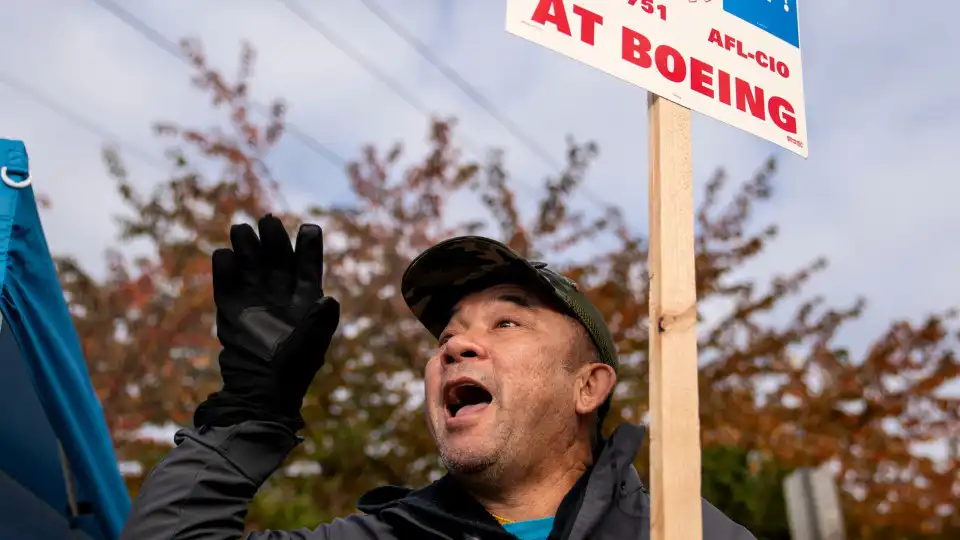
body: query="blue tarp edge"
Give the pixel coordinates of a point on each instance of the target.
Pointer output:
(33, 305)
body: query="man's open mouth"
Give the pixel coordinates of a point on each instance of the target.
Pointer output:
(465, 396)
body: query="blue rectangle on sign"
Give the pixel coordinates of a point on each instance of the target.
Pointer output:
(778, 17)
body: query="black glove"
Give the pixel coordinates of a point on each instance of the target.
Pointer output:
(274, 322)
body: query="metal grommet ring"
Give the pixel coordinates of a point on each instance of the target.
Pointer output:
(13, 183)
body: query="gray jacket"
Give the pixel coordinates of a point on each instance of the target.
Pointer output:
(202, 489)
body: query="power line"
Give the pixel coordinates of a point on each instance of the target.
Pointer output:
(475, 95)
(356, 56)
(371, 68)
(35, 95)
(310, 142)
(156, 38)
(459, 81)
(171, 48)
(367, 65)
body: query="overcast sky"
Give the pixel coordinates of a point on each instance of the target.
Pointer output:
(877, 195)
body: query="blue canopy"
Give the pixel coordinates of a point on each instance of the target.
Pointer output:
(59, 477)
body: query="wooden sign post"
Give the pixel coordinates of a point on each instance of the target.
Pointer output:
(737, 61)
(674, 395)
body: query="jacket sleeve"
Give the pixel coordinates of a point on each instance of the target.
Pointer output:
(202, 489)
(718, 526)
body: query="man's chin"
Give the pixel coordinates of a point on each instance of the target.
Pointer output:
(468, 463)
(468, 451)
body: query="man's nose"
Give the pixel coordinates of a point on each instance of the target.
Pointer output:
(463, 347)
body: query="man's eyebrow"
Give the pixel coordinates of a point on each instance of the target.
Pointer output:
(518, 299)
(521, 300)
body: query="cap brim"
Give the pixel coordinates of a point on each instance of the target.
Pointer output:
(443, 274)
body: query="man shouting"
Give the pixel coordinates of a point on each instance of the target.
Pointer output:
(515, 393)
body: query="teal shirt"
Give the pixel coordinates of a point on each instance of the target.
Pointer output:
(534, 529)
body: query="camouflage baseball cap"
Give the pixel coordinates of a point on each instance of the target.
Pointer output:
(443, 274)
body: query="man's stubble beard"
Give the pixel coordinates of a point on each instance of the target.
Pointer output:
(483, 467)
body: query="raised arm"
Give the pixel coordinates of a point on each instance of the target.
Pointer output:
(275, 325)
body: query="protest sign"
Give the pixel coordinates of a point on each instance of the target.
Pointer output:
(735, 60)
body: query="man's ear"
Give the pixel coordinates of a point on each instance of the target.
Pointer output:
(595, 381)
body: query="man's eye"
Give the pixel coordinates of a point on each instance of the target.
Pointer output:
(506, 324)
(444, 338)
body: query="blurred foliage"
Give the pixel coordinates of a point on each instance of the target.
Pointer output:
(773, 396)
(748, 488)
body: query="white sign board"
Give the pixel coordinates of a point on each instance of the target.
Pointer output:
(813, 505)
(735, 60)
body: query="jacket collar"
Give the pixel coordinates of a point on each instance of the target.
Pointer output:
(446, 509)
(607, 479)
